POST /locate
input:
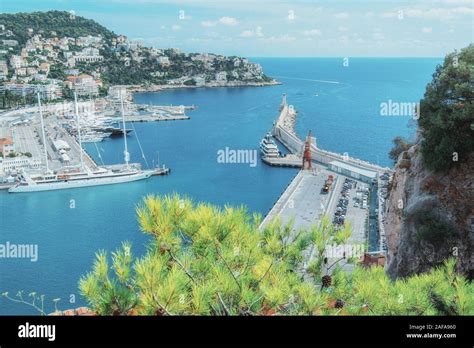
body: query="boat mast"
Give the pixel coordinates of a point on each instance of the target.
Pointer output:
(125, 152)
(76, 108)
(43, 133)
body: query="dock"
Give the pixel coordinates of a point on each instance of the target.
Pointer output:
(290, 160)
(284, 131)
(304, 201)
(155, 118)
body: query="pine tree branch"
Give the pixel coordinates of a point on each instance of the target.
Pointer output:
(228, 267)
(247, 263)
(226, 310)
(265, 274)
(182, 266)
(161, 306)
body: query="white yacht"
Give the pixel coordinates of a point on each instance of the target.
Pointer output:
(268, 147)
(103, 176)
(83, 176)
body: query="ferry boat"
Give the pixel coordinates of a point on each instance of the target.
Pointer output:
(268, 147)
(84, 177)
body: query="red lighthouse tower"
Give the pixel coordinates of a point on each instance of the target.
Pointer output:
(307, 152)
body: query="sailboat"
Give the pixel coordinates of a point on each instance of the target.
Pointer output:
(85, 177)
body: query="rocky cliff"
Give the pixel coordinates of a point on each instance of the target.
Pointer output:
(429, 217)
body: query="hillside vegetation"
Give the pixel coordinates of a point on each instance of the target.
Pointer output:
(60, 22)
(209, 261)
(447, 112)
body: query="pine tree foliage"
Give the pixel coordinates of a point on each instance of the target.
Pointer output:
(204, 260)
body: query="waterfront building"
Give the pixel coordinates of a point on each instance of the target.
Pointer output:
(10, 165)
(115, 92)
(221, 76)
(200, 81)
(83, 84)
(7, 146)
(346, 169)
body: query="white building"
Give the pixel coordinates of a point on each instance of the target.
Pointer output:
(116, 91)
(221, 76)
(10, 43)
(364, 175)
(9, 165)
(83, 84)
(163, 60)
(17, 62)
(200, 81)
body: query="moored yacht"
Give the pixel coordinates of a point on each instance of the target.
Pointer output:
(268, 147)
(83, 177)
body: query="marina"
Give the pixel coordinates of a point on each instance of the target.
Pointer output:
(48, 142)
(104, 216)
(324, 186)
(68, 174)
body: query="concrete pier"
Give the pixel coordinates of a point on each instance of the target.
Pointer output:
(284, 131)
(303, 200)
(155, 118)
(290, 160)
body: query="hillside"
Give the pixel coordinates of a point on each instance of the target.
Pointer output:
(46, 51)
(60, 22)
(430, 208)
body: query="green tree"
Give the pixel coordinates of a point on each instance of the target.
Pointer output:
(447, 112)
(203, 260)
(400, 145)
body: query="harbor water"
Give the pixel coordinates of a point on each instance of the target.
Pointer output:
(340, 104)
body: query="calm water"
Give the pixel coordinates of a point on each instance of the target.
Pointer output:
(343, 115)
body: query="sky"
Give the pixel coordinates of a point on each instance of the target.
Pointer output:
(297, 28)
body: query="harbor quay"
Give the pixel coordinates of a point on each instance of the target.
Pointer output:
(343, 188)
(50, 143)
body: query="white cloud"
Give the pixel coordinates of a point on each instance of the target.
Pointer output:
(176, 27)
(258, 32)
(341, 15)
(228, 20)
(281, 39)
(377, 36)
(430, 13)
(426, 30)
(247, 33)
(291, 16)
(343, 28)
(208, 24)
(312, 32)
(369, 14)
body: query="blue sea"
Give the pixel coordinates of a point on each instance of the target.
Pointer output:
(339, 104)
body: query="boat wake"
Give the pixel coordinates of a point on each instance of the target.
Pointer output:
(303, 79)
